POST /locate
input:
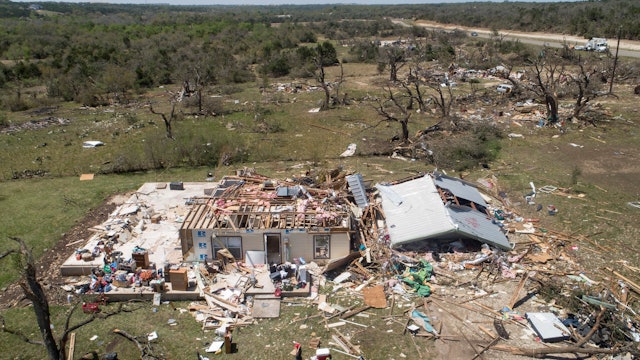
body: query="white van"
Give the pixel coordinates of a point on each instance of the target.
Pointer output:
(504, 88)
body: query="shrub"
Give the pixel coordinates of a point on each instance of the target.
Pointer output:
(468, 150)
(4, 120)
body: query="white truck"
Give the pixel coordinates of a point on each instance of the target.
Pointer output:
(597, 45)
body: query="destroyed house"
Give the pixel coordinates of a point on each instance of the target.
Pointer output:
(264, 222)
(435, 207)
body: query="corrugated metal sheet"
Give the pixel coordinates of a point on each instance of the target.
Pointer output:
(356, 185)
(475, 225)
(459, 188)
(414, 211)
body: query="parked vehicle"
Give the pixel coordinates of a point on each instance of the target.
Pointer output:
(504, 88)
(473, 33)
(597, 44)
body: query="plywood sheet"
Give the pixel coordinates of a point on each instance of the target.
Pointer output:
(375, 297)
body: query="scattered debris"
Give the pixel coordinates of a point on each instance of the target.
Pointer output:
(92, 144)
(351, 150)
(483, 261)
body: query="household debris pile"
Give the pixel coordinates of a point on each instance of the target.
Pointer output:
(462, 287)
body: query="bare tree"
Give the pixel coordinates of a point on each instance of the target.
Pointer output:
(549, 70)
(441, 95)
(394, 57)
(321, 80)
(396, 108)
(167, 119)
(415, 89)
(33, 291)
(587, 87)
(338, 98)
(324, 55)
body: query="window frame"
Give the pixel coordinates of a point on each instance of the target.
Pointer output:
(316, 253)
(225, 240)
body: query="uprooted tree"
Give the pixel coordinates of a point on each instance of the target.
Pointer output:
(33, 291)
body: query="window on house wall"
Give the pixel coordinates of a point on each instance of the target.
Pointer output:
(233, 243)
(321, 246)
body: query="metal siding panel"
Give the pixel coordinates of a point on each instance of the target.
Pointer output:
(460, 189)
(475, 225)
(356, 185)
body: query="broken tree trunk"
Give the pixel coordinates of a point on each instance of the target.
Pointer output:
(542, 352)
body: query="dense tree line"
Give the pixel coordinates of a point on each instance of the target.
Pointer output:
(96, 53)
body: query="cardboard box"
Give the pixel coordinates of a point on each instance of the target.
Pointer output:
(179, 279)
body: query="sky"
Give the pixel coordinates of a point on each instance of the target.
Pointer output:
(280, 2)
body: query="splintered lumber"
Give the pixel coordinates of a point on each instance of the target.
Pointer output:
(516, 294)
(72, 345)
(357, 267)
(631, 284)
(477, 297)
(338, 342)
(336, 324)
(314, 343)
(487, 331)
(355, 323)
(417, 347)
(351, 349)
(469, 343)
(220, 302)
(353, 312)
(541, 352)
(485, 348)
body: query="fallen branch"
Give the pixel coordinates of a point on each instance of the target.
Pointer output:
(146, 353)
(542, 352)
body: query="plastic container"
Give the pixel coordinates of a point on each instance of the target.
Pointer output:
(323, 354)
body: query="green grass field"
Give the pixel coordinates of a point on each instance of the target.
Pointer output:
(600, 179)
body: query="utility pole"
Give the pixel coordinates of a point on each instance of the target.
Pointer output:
(615, 62)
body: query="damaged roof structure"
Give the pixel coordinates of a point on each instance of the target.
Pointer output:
(276, 221)
(248, 242)
(438, 207)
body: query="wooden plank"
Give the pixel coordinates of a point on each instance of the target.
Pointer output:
(220, 302)
(352, 349)
(515, 296)
(635, 287)
(72, 345)
(354, 312)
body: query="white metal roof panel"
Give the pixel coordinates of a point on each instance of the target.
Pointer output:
(474, 224)
(414, 211)
(460, 189)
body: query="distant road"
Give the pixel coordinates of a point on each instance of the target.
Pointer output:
(628, 48)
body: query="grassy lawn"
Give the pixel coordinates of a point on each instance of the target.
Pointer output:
(597, 176)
